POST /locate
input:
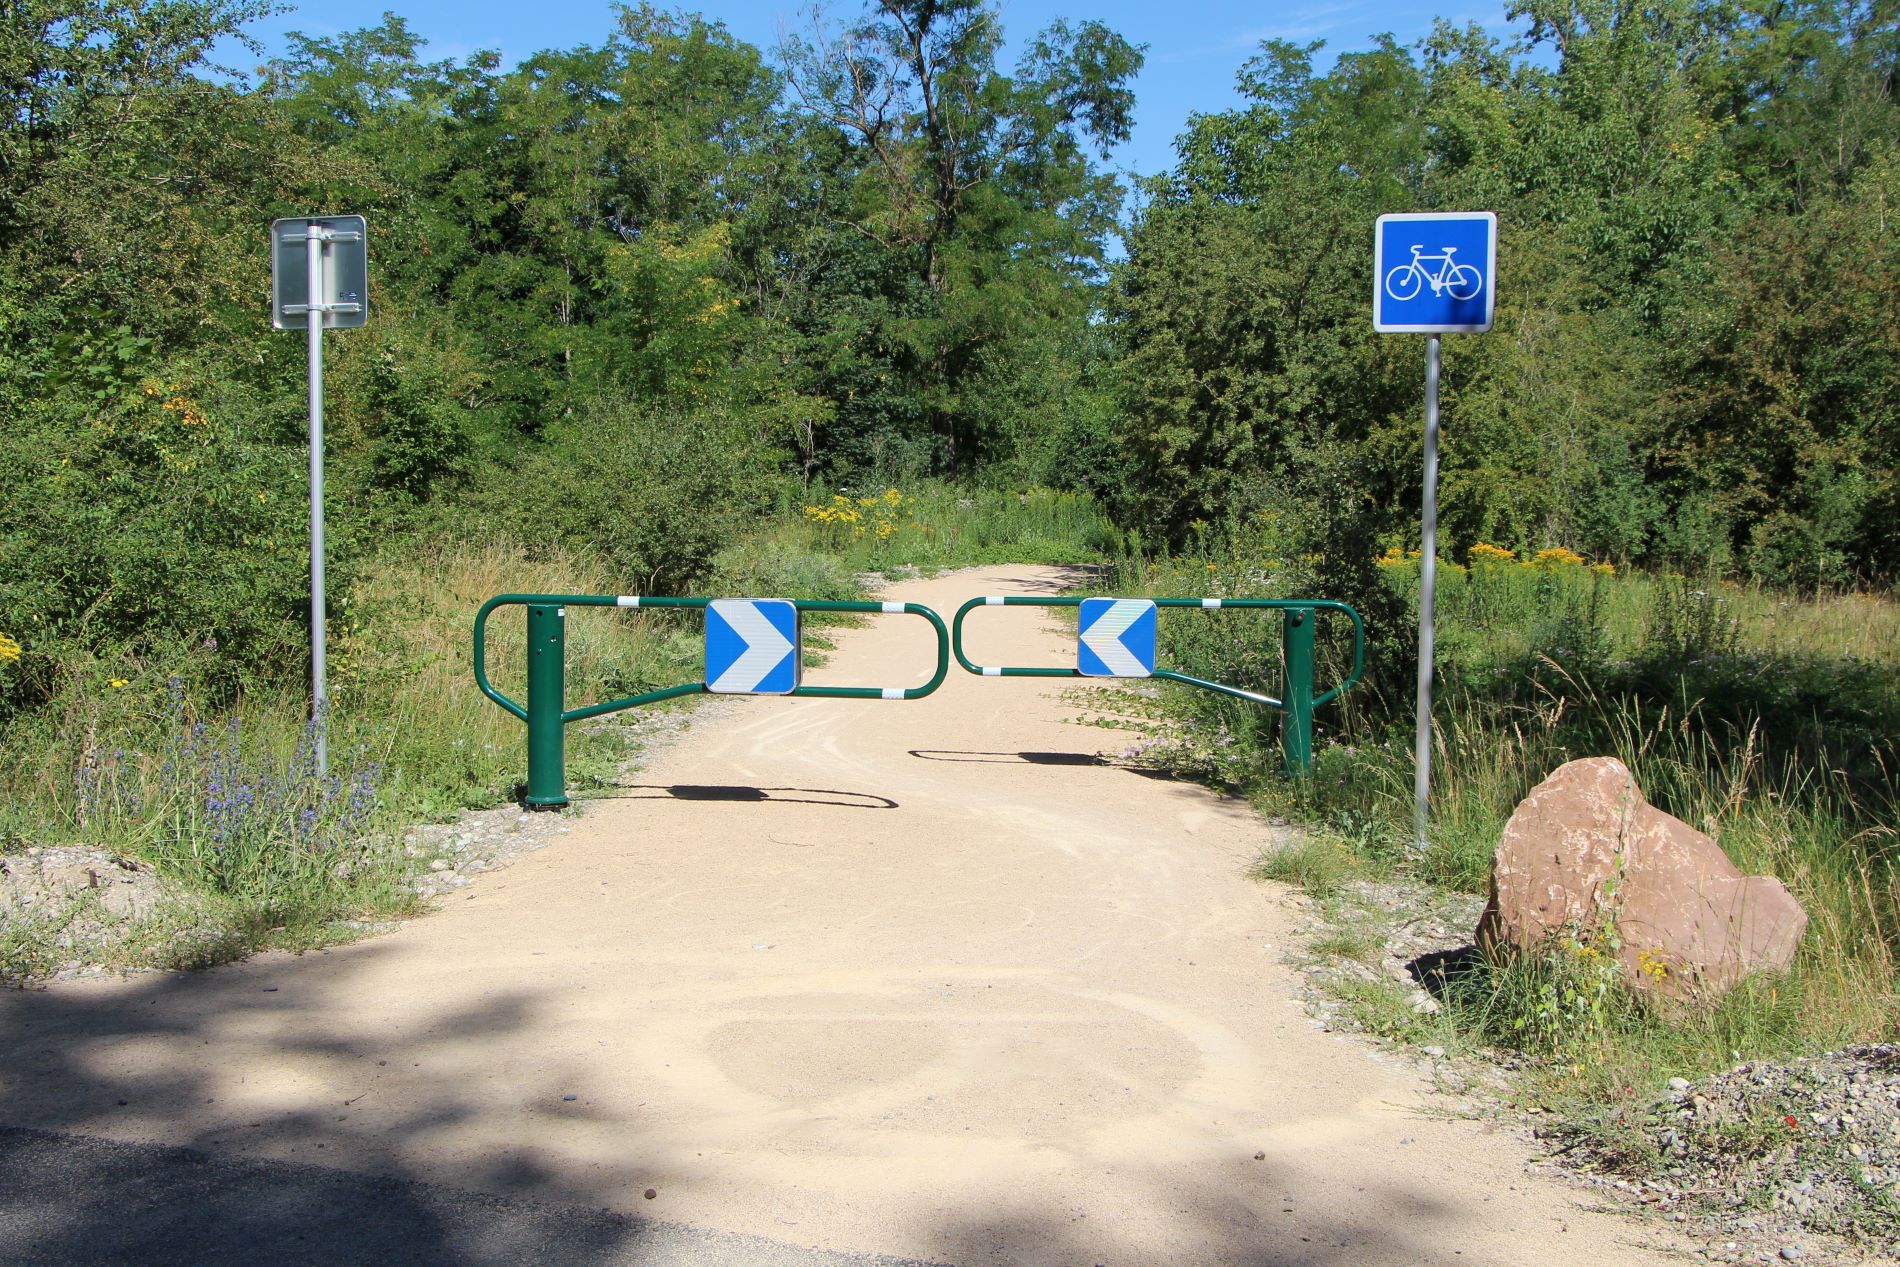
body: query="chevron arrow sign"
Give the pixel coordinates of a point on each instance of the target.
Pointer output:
(752, 646)
(1118, 638)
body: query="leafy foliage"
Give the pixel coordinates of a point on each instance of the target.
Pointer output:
(619, 290)
(1696, 322)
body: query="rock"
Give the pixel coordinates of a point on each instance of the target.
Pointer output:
(1584, 849)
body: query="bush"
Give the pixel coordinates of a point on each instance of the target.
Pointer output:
(768, 567)
(656, 493)
(153, 516)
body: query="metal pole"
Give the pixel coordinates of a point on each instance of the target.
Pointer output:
(1427, 600)
(547, 700)
(319, 687)
(1296, 718)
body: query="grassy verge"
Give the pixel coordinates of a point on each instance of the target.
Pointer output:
(225, 800)
(1766, 720)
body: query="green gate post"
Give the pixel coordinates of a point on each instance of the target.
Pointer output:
(1296, 723)
(547, 697)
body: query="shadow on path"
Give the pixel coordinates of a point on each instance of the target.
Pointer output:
(71, 1199)
(76, 1188)
(962, 756)
(233, 1184)
(744, 793)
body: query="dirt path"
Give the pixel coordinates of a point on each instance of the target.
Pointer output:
(855, 975)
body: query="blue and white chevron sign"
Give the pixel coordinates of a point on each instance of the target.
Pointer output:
(752, 646)
(1118, 638)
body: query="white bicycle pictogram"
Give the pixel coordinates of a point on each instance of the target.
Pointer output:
(1460, 281)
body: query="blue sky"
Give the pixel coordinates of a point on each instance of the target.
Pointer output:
(1193, 51)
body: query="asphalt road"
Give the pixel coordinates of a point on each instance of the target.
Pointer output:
(79, 1201)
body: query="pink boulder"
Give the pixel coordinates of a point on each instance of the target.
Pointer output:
(1584, 851)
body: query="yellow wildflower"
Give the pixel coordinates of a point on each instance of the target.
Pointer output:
(1603, 569)
(1556, 557)
(1485, 552)
(187, 410)
(117, 682)
(842, 510)
(9, 650)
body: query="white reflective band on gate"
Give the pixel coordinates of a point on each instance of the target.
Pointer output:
(627, 600)
(992, 602)
(893, 607)
(893, 692)
(1210, 602)
(991, 672)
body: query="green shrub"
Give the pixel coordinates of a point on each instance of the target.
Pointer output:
(157, 519)
(656, 493)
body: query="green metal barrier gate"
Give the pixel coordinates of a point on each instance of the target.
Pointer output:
(547, 713)
(1297, 641)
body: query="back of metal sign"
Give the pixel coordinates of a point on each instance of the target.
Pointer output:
(345, 271)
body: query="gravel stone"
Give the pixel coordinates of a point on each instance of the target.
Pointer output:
(1792, 1160)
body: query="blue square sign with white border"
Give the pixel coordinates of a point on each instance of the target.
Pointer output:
(1434, 272)
(752, 646)
(1116, 638)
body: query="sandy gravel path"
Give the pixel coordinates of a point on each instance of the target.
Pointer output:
(852, 975)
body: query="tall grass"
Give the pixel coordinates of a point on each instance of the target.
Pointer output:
(944, 525)
(223, 794)
(408, 667)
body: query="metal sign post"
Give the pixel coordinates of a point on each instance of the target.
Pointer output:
(1432, 273)
(1427, 601)
(320, 265)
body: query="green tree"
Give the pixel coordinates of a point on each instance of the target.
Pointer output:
(979, 181)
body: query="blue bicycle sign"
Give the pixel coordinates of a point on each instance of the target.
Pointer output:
(1433, 272)
(1460, 281)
